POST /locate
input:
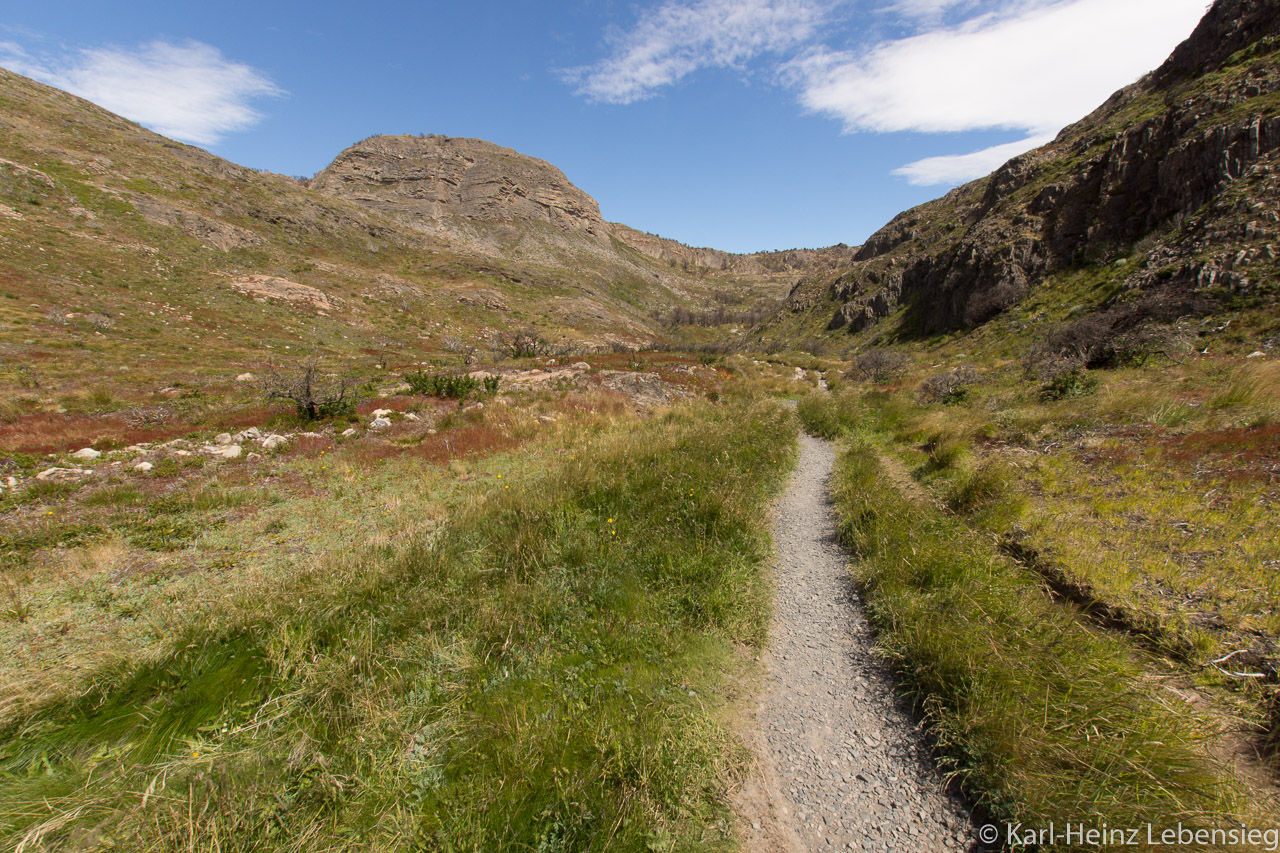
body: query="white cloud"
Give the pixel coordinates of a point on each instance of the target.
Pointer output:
(188, 91)
(677, 39)
(1036, 70)
(960, 168)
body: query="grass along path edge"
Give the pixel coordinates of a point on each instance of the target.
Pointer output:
(551, 671)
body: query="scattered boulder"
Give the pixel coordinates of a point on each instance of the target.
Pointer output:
(271, 442)
(474, 407)
(379, 423)
(580, 365)
(1256, 354)
(144, 467)
(86, 454)
(412, 417)
(224, 451)
(245, 377)
(347, 433)
(250, 434)
(647, 389)
(382, 413)
(254, 457)
(223, 438)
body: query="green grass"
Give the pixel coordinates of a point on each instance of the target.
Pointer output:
(1041, 719)
(548, 671)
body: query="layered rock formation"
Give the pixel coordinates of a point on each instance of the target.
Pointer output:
(429, 179)
(1176, 171)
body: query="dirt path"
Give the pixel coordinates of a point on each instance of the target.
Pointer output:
(840, 766)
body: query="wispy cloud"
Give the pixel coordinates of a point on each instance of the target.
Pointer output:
(958, 168)
(677, 39)
(187, 90)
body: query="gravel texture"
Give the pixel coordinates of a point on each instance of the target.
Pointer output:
(843, 767)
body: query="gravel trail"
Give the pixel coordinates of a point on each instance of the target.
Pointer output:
(841, 766)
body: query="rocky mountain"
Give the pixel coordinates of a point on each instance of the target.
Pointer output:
(1165, 199)
(429, 181)
(120, 247)
(497, 200)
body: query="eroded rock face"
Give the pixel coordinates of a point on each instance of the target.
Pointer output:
(431, 178)
(1180, 164)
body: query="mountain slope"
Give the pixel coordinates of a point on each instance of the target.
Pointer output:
(124, 251)
(1167, 194)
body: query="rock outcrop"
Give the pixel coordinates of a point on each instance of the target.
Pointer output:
(429, 179)
(1173, 180)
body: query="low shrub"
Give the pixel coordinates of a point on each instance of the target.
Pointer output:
(949, 388)
(453, 386)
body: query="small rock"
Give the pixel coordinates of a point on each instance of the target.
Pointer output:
(223, 438)
(245, 377)
(382, 413)
(1256, 354)
(347, 433)
(86, 453)
(580, 365)
(254, 457)
(144, 467)
(182, 453)
(271, 442)
(62, 473)
(379, 423)
(474, 407)
(412, 417)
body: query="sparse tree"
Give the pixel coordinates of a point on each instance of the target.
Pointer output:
(316, 397)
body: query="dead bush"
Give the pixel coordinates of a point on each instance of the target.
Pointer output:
(316, 396)
(950, 387)
(880, 366)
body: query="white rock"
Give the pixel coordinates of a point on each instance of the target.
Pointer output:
(271, 442)
(9, 483)
(412, 417)
(62, 473)
(254, 457)
(379, 423)
(250, 434)
(312, 435)
(144, 467)
(138, 448)
(474, 407)
(347, 433)
(1256, 354)
(382, 413)
(86, 453)
(182, 453)
(580, 365)
(245, 377)
(231, 452)
(223, 438)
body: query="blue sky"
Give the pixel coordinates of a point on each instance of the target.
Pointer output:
(738, 124)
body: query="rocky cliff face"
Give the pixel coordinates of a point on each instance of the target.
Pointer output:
(427, 180)
(1178, 169)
